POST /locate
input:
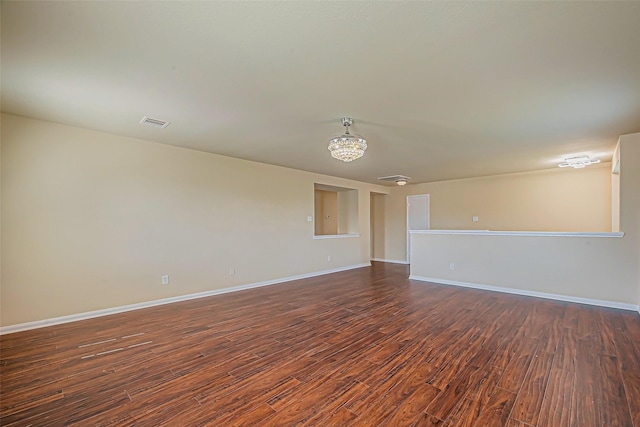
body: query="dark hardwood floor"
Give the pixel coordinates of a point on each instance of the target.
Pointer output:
(365, 347)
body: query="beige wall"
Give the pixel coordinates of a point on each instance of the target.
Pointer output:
(593, 268)
(629, 146)
(615, 190)
(326, 212)
(596, 268)
(549, 200)
(1, 117)
(317, 212)
(377, 225)
(92, 220)
(348, 212)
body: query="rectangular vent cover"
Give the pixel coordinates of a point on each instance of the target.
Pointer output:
(156, 123)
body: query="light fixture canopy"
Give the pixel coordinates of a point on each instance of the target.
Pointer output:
(578, 162)
(347, 147)
(401, 182)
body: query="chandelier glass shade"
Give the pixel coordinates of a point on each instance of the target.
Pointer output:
(347, 147)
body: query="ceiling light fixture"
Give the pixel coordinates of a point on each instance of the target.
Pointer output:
(347, 147)
(578, 162)
(398, 179)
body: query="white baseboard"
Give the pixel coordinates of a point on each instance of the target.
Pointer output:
(567, 298)
(107, 311)
(393, 261)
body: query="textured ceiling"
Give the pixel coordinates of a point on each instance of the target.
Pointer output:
(440, 90)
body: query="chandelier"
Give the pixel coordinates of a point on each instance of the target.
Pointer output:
(347, 147)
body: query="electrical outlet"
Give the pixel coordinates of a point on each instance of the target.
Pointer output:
(329, 258)
(309, 219)
(165, 280)
(452, 266)
(232, 271)
(475, 219)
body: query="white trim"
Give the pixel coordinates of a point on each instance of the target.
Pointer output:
(567, 298)
(393, 261)
(522, 233)
(335, 236)
(107, 311)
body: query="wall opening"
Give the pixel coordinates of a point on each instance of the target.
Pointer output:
(335, 210)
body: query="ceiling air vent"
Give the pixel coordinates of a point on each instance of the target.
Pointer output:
(398, 179)
(156, 123)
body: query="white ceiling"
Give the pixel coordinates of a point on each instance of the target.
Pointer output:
(440, 90)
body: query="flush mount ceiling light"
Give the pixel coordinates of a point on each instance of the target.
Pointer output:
(347, 147)
(398, 179)
(578, 162)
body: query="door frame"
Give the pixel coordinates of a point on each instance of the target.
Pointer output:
(415, 196)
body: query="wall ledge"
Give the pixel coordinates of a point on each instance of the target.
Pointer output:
(335, 236)
(521, 233)
(524, 292)
(108, 311)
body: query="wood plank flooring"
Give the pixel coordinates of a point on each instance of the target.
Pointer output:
(366, 347)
